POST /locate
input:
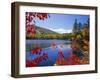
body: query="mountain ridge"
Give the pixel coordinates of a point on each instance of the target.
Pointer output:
(44, 30)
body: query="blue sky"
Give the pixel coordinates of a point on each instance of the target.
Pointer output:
(61, 23)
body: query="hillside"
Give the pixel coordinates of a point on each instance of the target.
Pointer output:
(43, 30)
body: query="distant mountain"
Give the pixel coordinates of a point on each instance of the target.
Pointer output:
(43, 30)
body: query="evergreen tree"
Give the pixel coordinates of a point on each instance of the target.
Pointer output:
(75, 26)
(88, 22)
(80, 27)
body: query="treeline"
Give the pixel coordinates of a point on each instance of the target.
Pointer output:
(49, 36)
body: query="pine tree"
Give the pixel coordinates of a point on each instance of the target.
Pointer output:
(75, 26)
(80, 27)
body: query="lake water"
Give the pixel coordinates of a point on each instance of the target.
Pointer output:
(52, 52)
(47, 41)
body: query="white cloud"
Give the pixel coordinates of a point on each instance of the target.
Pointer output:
(61, 30)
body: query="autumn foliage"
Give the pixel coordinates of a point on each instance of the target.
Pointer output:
(79, 42)
(36, 61)
(71, 60)
(30, 21)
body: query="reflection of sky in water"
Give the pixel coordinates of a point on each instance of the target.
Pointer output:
(52, 54)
